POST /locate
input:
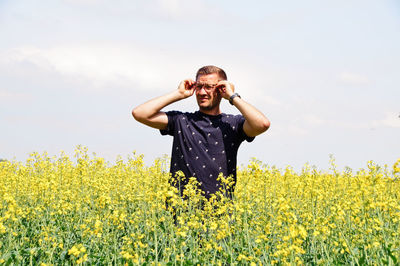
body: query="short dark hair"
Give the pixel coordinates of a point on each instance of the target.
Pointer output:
(206, 70)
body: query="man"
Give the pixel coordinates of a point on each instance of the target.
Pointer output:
(205, 142)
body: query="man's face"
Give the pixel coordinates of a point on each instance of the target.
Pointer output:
(207, 95)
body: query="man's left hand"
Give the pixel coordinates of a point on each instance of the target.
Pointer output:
(226, 89)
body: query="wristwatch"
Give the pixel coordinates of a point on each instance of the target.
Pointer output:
(233, 96)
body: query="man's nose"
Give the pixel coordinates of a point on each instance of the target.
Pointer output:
(201, 91)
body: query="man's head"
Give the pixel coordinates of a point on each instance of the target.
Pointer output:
(206, 70)
(208, 97)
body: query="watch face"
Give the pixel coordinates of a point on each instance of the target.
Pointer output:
(233, 96)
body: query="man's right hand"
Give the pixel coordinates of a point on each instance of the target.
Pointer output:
(186, 88)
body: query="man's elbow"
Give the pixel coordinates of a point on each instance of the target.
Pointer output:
(259, 128)
(263, 126)
(266, 125)
(137, 115)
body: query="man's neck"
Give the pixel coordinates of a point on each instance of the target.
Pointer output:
(215, 111)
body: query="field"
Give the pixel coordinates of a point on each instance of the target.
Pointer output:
(85, 210)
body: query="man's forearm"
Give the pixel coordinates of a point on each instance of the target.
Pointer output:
(256, 122)
(152, 107)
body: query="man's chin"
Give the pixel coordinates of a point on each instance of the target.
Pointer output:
(207, 108)
(202, 104)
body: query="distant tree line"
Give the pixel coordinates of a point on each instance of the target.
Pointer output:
(2, 160)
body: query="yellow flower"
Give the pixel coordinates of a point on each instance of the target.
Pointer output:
(74, 251)
(376, 244)
(241, 257)
(82, 259)
(2, 228)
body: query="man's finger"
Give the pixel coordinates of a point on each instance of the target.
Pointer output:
(220, 86)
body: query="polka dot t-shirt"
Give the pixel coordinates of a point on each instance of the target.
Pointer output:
(205, 146)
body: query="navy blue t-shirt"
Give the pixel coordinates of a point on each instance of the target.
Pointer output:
(205, 146)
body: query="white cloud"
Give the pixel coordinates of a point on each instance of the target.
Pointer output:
(103, 64)
(391, 119)
(281, 129)
(257, 94)
(170, 6)
(138, 66)
(354, 78)
(254, 83)
(7, 96)
(85, 2)
(314, 120)
(182, 9)
(178, 10)
(296, 130)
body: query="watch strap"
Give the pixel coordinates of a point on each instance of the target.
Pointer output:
(233, 96)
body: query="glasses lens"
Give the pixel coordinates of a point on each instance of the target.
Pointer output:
(206, 86)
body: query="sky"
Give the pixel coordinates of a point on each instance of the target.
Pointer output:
(325, 73)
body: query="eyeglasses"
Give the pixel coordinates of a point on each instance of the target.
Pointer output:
(207, 87)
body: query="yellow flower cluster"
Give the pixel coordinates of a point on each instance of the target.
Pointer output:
(84, 210)
(78, 251)
(396, 168)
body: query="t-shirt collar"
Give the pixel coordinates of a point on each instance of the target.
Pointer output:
(209, 116)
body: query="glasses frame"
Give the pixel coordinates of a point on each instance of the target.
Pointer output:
(207, 87)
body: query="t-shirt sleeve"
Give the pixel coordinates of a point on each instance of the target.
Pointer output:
(242, 135)
(172, 118)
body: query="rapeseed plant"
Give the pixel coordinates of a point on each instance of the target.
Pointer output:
(84, 210)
